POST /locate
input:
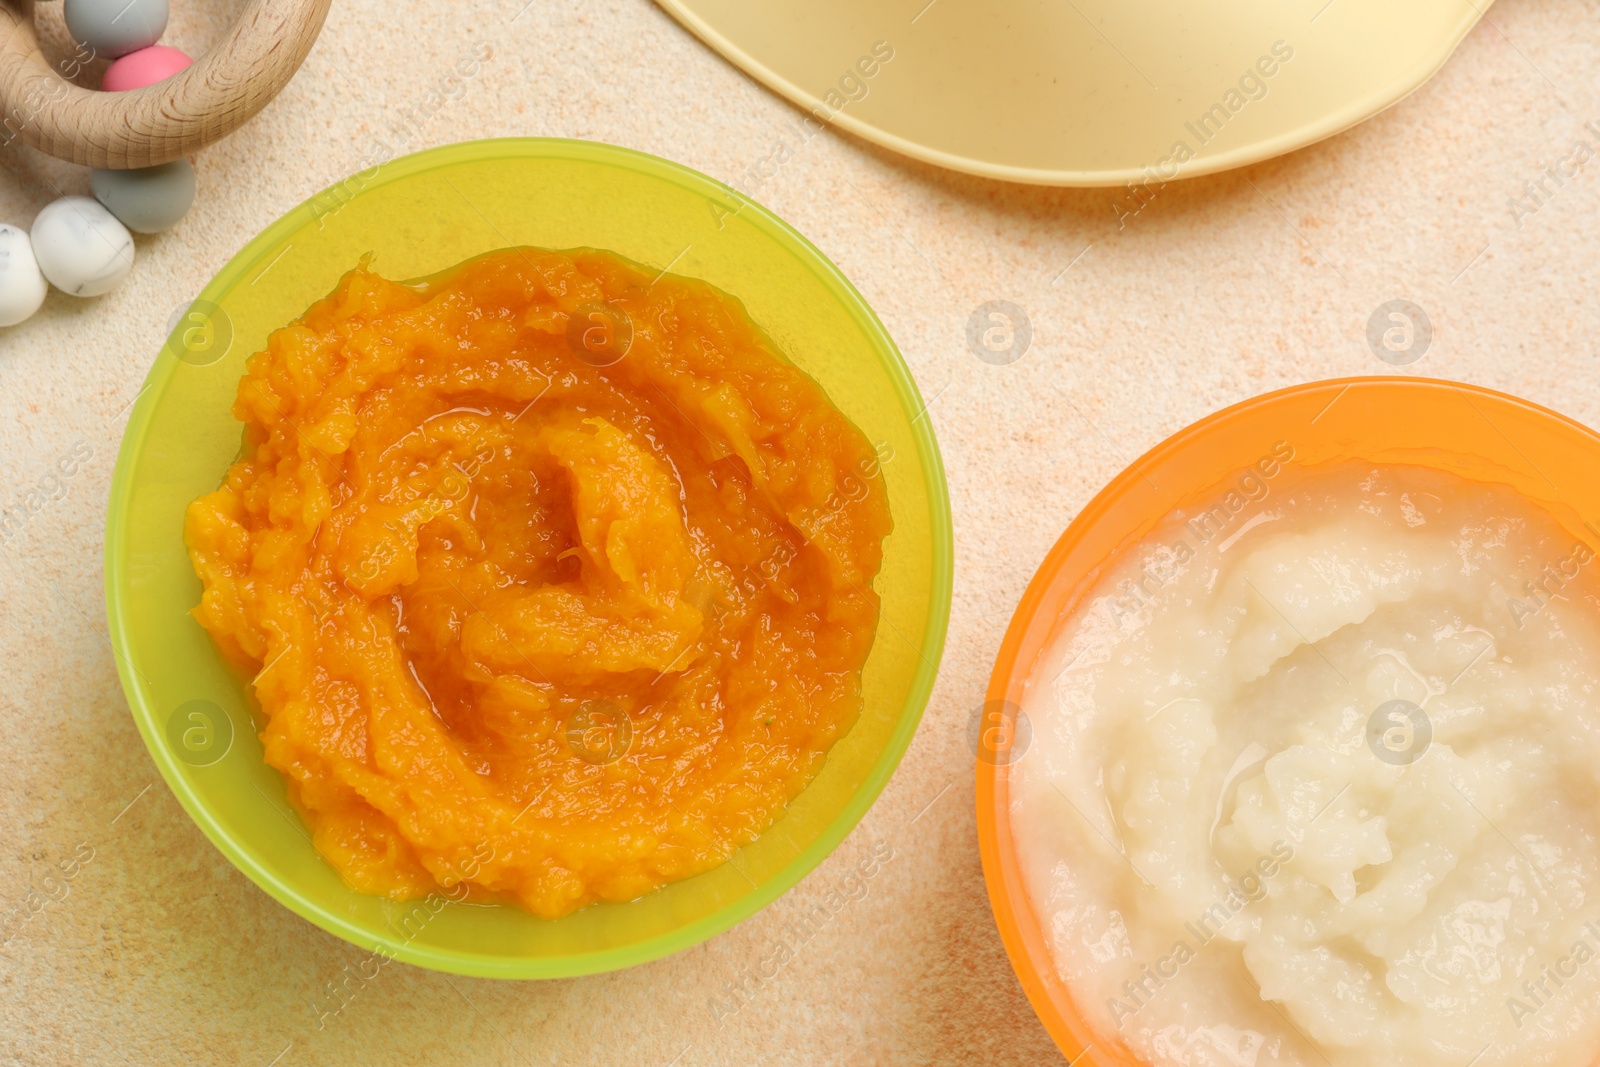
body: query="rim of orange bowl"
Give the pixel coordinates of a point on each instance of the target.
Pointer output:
(1019, 929)
(930, 648)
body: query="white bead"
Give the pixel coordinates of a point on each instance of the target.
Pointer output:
(81, 247)
(22, 287)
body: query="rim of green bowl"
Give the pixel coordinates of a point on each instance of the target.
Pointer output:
(930, 650)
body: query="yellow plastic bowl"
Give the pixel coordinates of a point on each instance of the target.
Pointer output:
(418, 215)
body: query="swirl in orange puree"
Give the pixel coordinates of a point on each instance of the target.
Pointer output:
(561, 612)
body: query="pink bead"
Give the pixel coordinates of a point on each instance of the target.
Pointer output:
(144, 67)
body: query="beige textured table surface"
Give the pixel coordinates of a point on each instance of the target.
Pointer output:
(158, 952)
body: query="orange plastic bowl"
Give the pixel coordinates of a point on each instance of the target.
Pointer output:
(1470, 431)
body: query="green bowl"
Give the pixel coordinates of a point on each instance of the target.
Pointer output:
(418, 215)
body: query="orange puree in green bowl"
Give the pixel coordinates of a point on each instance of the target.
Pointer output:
(565, 622)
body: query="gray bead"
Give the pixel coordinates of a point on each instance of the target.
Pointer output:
(116, 27)
(147, 200)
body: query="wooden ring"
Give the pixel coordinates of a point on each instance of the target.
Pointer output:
(162, 122)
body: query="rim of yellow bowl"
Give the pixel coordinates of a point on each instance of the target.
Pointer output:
(1338, 118)
(930, 648)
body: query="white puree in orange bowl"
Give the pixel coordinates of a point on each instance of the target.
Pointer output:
(1315, 779)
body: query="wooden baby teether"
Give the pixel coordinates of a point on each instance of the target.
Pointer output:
(158, 123)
